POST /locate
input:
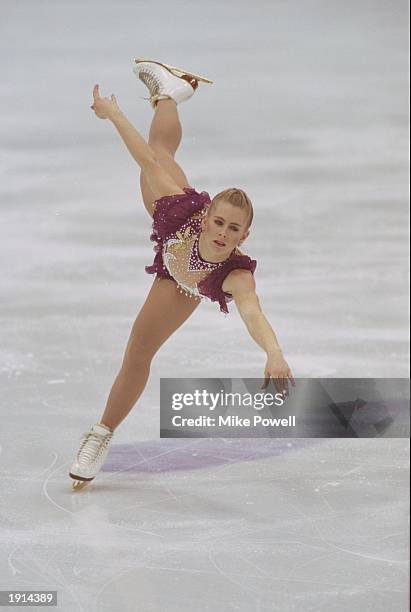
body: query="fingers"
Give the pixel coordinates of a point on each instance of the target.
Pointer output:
(266, 380)
(288, 377)
(280, 382)
(96, 96)
(282, 386)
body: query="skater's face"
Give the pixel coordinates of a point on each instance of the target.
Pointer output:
(225, 227)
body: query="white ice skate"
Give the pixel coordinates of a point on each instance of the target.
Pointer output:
(91, 455)
(164, 81)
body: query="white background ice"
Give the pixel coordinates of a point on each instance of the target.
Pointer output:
(309, 114)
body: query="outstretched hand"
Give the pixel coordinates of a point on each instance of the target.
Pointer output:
(278, 369)
(104, 107)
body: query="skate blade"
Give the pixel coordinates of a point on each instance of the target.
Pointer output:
(176, 71)
(79, 484)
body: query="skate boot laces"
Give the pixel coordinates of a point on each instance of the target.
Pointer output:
(149, 79)
(92, 446)
(153, 84)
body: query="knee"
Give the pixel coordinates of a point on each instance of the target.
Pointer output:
(137, 356)
(162, 152)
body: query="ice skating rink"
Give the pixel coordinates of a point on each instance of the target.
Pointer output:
(308, 114)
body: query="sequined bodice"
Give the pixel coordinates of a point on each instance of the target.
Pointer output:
(182, 258)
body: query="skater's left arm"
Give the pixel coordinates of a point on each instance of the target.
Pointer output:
(241, 285)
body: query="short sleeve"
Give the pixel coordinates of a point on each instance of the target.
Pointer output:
(211, 286)
(171, 212)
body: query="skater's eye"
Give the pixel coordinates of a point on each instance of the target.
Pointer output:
(233, 227)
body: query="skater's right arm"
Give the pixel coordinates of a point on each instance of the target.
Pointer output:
(161, 183)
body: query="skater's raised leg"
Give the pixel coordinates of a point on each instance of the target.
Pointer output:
(166, 91)
(164, 138)
(165, 130)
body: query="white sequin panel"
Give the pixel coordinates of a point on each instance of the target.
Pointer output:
(176, 257)
(181, 257)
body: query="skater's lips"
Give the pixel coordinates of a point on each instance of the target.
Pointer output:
(219, 243)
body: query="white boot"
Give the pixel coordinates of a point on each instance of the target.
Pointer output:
(162, 84)
(91, 455)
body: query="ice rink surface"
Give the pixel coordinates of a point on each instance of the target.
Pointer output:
(309, 114)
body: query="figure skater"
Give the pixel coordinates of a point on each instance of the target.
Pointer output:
(197, 255)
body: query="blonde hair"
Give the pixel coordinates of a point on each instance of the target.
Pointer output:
(237, 198)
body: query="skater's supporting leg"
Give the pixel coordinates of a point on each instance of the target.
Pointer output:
(164, 310)
(164, 138)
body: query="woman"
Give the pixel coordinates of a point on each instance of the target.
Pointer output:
(197, 255)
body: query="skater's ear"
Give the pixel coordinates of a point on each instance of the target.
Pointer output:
(204, 221)
(245, 236)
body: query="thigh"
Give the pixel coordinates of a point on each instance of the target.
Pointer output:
(170, 165)
(164, 311)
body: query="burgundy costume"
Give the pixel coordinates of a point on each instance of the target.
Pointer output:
(176, 230)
